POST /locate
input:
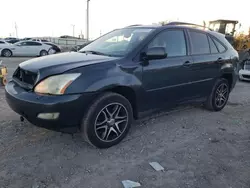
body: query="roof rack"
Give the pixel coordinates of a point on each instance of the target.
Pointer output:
(134, 25)
(185, 23)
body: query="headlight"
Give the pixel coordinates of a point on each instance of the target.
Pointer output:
(56, 85)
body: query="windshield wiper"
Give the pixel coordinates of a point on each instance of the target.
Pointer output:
(94, 52)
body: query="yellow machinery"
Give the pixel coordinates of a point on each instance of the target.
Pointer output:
(228, 27)
(242, 42)
(3, 74)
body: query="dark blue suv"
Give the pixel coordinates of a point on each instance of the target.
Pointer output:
(122, 76)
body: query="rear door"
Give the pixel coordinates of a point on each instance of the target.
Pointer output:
(206, 65)
(33, 48)
(166, 81)
(37, 47)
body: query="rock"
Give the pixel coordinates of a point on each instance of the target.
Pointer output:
(130, 184)
(156, 166)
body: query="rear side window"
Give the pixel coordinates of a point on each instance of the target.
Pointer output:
(37, 44)
(172, 40)
(200, 43)
(213, 48)
(23, 44)
(33, 44)
(220, 46)
(1, 42)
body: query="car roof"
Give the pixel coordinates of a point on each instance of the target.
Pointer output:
(182, 25)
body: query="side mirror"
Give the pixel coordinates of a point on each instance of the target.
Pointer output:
(156, 53)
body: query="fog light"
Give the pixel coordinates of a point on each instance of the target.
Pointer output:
(48, 115)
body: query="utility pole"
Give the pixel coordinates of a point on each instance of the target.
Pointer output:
(87, 35)
(73, 29)
(16, 30)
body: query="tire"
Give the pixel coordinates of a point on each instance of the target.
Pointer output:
(106, 133)
(43, 53)
(216, 97)
(3, 81)
(6, 53)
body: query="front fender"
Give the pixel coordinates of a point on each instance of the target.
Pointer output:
(107, 76)
(111, 82)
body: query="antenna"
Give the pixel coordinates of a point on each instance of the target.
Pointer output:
(16, 30)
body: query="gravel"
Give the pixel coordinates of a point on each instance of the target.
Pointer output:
(197, 148)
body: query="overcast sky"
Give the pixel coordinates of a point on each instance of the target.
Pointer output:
(55, 17)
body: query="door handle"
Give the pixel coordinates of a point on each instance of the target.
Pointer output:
(219, 60)
(187, 63)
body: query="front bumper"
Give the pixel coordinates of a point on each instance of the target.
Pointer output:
(244, 75)
(71, 108)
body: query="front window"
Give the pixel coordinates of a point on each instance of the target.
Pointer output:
(230, 29)
(119, 42)
(215, 26)
(221, 27)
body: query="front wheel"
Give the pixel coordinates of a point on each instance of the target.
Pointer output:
(219, 95)
(6, 53)
(107, 121)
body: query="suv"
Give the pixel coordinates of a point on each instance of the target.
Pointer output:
(122, 76)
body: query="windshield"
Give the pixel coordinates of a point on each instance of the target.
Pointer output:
(247, 65)
(119, 42)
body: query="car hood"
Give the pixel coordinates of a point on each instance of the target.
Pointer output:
(58, 63)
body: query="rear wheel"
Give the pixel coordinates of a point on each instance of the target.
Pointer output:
(219, 95)
(43, 53)
(107, 121)
(6, 53)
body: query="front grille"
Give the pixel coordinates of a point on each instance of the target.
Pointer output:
(25, 76)
(246, 76)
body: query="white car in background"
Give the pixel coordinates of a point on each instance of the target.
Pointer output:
(25, 48)
(2, 42)
(244, 74)
(39, 40)
(4, 45)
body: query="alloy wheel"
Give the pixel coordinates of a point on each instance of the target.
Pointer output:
(7, 53)
(44, 53)
(111, 122)
(221, 95)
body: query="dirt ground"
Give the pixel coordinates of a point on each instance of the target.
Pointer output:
(197, 148)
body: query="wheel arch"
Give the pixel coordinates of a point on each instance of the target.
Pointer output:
(6, 49)
(129, 94)
(229, 78)
(43, 50)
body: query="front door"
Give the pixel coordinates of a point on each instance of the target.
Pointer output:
(167, 81)
(22, 49)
